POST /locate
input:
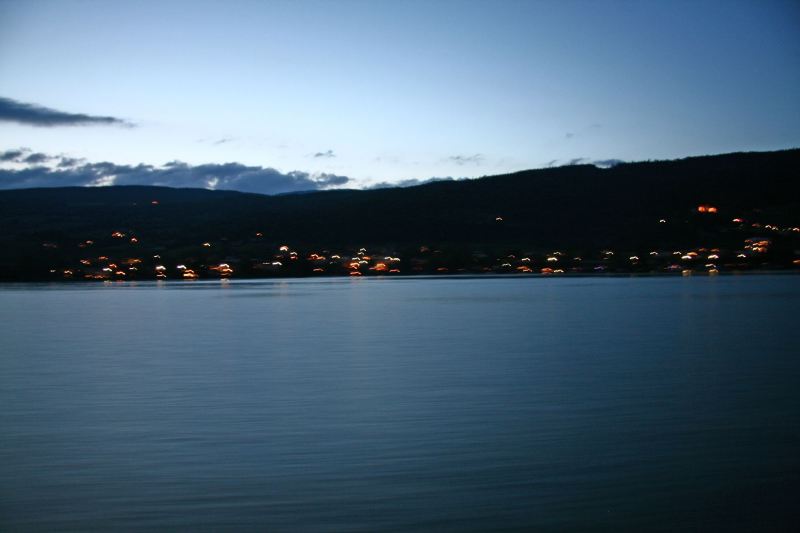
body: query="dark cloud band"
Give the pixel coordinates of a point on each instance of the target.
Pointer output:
(35, 115)
(67, 172)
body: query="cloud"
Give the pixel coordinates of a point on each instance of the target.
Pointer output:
(13, 156)
(227, 176)
(327, 153)
(36, 158)
(607, 163)
(411, 182)
(602, 163)
(36, 115)
(466, 159)
(69, 161)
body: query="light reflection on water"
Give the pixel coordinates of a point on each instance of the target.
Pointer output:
(401, 404)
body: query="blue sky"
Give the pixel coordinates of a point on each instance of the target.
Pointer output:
(390, 91)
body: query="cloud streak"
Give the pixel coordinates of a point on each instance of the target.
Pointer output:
(69, 172)
(475, 159)
(45, 117)
(411, 182)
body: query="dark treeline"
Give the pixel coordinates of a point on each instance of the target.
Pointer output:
(578, 209)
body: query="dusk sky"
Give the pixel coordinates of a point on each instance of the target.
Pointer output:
(278, 96)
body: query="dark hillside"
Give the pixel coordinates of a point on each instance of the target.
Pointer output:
(582, 209)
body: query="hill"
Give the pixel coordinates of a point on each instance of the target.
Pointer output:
(470, 225)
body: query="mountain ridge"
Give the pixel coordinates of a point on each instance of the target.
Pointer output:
(579, 208)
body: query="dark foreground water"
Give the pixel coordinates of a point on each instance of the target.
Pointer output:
(561, 404)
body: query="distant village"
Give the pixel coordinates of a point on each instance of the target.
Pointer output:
(119, 257)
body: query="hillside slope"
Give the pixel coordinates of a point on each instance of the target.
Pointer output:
(582, 209)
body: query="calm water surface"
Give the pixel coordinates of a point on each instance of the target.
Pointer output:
(561, 404)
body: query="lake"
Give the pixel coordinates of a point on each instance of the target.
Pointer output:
(412, 404)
